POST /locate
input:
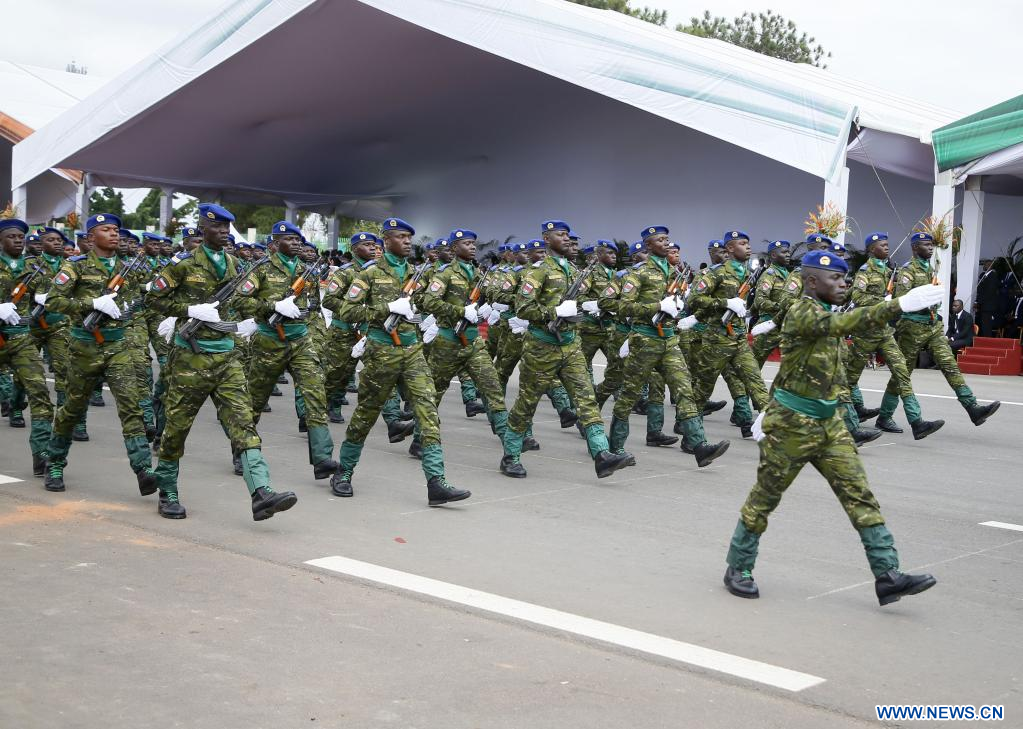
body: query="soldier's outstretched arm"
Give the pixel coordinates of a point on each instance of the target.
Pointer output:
(813, 322)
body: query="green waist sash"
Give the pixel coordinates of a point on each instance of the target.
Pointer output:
(651, 331)
(816, 409)
(543, 335)
(918, 317)
(49, 318)
(13, 331)
(109, 334)
(379, 335)
(291, 331)
(208, 346)
(471, 332)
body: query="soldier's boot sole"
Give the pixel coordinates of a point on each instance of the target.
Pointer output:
(512, 468)
(147, 482)
(276, 504)
(887, 425)
(707, 453)
(324, 469)
(980, 413)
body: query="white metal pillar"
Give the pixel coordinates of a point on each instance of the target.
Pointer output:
(290, 212)
(166, 208)
(333, 229)
(969, 249)
(19, 199)
(838, 193)
(943, 206)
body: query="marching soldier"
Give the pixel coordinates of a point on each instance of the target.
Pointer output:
(50, 329)
(802, 425)
(551, 350)
(102, 353)
(595, 331)
(18, 350)
(769, 295)
(376, 293)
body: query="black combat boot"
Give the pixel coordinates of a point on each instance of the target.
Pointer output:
(96, 400)
(740, 583)
(170, 507)
(341, 483)
(979, 413)
(416, 449)
(344, 399)
(887, 425)
(865, 434)
(147, 481)
(79, 433)
(324, 468)
(865, 413)
(923, 428)
(893, 585)
(54, 478)
(282, 380)
(657, 438)
(236, 459)
(302, 427)
(266, 503)
(334, 415)
(568, 418)
(607, 462)
(267, 408)
(399, 430)
(474, 408)
(713, 406)
(441, 492)
(5, 408)
(276, 392)
(38, 464)
(530, 444)
(511, 466)
(16, 419)
(746, 429)
(706, 452)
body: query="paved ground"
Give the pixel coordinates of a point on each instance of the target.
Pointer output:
(113, 617)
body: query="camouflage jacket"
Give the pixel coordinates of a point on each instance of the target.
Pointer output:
(917, 272)
(813, 346)
(771, 292)
(542, 288)
(339, 281)
(642, 291)
(13, 270)
(609, 299)
(447, 294)
(268, 284)
(192, 280)
(712, 291)
(42, 285)
(371, 290)
(82, 279)
(504, 289)
(596, 283)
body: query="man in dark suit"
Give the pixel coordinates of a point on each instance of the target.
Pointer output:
(960, 327)
(1014, 317)
(987, 298)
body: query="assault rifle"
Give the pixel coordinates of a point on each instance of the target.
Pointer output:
(188, 330)
(676, 286)
(311, 272)
(392, 320)
(474, 297)
(94, 320)
(570, 294)
(751, 281)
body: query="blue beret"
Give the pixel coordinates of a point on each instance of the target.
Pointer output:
(47, 229)
(190, 232)
(776, 244)
(735, 235)
(398, 224)
(461, 233)
(125, 233)
(283, 227)
(307, 242)
(920, 238)
(637, 247)
(602, 243)
(269, 239)
(825, 260)
(441, 243)
(520, 247)
(32, 237)
(152, 236)
(715, 244)
(874, 238)
(79, 234)
(430, 247)
(818, 238)
(550, 225)
(589, 249)
(230, 237)
(102, 219)
(573, 236)
(362, 236)
(502, 248)
(653, 230)
(211, 211)
(260, 246)
(676, 246)
(837, 247)
(536, 243)
(14, 223)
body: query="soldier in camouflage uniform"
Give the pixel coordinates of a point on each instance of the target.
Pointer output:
(551, 350)
(18, 349)
(714, 294)
(767, 300)
(50, 330)
(596, 331)
(181, 293)
(498, 329)
(447, 299)
(653, 347)
(376, 293)
(289, 346)
(309, 254)
(869, 288)
(470, 395)
(919, 330)
(78, 290)
(802, 425)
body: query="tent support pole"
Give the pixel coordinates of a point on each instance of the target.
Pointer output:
(333, 228)
(166, 208)
(943, 205)
(838, 193)
(969, 250)
(19, 199)
(290, 212)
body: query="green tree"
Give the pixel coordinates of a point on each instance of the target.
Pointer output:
(767, 33)
(146, 213)
(657, 17)
(107, 200)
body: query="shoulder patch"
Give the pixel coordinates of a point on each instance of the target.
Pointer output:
(527, 288)
(332, 287)
(435, 286)
(629, 286)
(508, 283)
(608, 292)
(702, 285)
(160, 283)
(61, 278)
(248, 287)
(354, 290)
(78, 258)
(861, 283)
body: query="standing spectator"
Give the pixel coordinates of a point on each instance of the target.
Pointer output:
(987, 298)
(1014, 317)
(960, 327)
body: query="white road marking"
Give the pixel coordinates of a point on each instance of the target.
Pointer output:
(1003, 525)
(946, 397)
(9, 479)
(657, 645)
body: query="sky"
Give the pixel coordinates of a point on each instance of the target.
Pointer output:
(962, 56)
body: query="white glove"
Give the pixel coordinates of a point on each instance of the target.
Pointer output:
(40, 299)
(204, 312)
(887, 297)
(763, 328)
(922, 297)
(247, 327)
(501, 307)
(428, 322)
(518, 326)
(591, 308)
(738, 306)
(623, 352)
(149, 286)
(495, 316)
(430, 334)
(359, 348)
(485, 311)
(566, 309)
(287, 307)
(688, 323)
(107, 305)
(669, 307)
(402, 307)
(327, 314)
(9, 313)
(470, 314)
(166, 328)
(758, 428)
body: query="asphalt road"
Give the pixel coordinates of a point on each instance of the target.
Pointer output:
(554, 601)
